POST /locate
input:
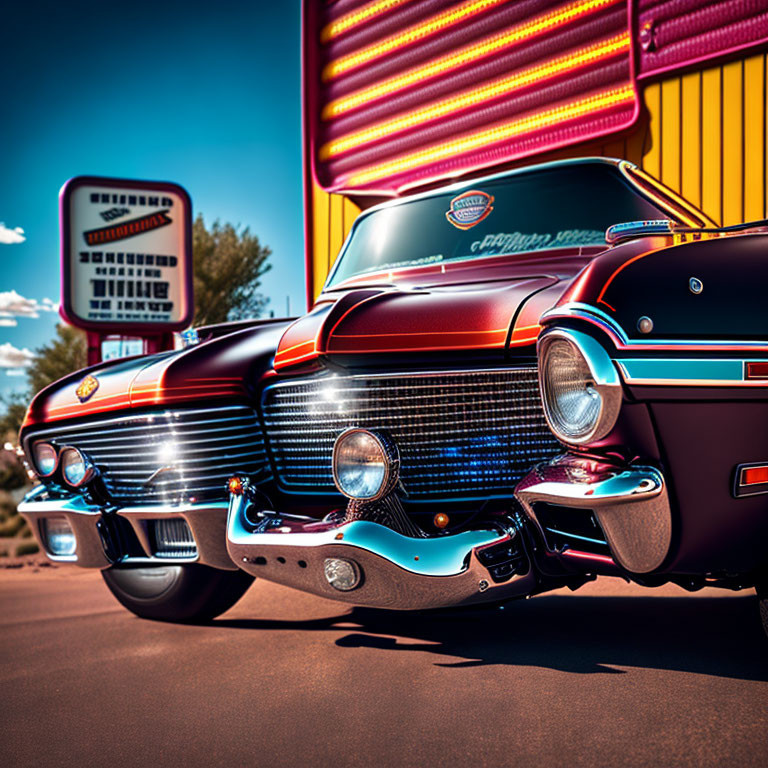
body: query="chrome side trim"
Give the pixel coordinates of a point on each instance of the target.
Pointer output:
(595, 316)
(631, 504)
(687, 372)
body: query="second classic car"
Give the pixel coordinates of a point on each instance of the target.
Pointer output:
(487, 401)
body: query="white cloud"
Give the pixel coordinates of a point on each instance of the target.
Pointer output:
(13, 304)
(14, 371)
(12, 357)
(11, 236)
(7, 321)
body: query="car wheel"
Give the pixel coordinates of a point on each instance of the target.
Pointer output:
(182, 593)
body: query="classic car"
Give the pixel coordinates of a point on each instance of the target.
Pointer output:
(506, 386)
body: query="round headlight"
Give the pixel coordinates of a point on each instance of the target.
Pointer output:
(365, 464)
(75, 467)
(579, 387)
(45, 459)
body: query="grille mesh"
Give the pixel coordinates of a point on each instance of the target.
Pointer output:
(200, 448)
(173, 538)
(467, 434)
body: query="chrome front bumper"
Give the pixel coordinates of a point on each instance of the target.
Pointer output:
(207, 522)
(630, 503)
(398, 572)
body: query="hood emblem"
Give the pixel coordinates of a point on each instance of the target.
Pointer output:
(86, 388)
(469, 208)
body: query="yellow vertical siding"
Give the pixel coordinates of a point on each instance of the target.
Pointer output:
(711, 144)
(690, 149)
(332, 218)
(671, 121)
(754, 138)
(652, 145)
(704, 134)
(706, 138)
(733, 143)
(320, 219)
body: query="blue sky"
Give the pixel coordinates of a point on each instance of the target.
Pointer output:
(206, 95)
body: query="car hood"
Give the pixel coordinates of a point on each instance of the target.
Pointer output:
(224, 367)
(483, 316)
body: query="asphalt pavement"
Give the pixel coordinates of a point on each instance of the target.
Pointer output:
(610, 675)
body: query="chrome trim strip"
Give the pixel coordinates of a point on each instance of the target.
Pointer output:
(687, 372)
(595, 316)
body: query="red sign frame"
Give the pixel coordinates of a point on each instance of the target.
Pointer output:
(125, 327)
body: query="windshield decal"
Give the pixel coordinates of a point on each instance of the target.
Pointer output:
(469, 208)
(516, 242)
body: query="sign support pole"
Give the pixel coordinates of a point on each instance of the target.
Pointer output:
(94, 347)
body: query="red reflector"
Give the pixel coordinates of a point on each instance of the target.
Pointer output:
(754, 475)
(757, 370)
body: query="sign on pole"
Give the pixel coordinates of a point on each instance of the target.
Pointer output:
(126, 255)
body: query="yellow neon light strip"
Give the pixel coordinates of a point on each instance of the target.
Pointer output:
(593, 103)
(355, 18)
(488, 45)
(474, 96)
(411, 35)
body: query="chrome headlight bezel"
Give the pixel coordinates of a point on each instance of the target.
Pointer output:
(603, 379)
(89, 470)
(390, 459)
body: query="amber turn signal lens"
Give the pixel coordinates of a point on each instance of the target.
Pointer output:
(441, 520)
(235, 486)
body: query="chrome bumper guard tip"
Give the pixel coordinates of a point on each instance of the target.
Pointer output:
(207, 523)
(395, 571)
(630, 503)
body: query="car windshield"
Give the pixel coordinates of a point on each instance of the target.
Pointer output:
(560, 207)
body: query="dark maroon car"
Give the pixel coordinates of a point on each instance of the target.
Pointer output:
(492, 397)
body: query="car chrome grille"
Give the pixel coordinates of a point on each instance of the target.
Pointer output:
(465, 434)
(169, 455)
(173, 539)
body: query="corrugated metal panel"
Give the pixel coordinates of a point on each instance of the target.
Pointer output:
(677, 33)
(418, 91)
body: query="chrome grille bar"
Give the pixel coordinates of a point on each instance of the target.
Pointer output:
(198, 447)
(173, 539)
(461, 434)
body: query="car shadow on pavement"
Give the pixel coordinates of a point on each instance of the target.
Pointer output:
(716, 636)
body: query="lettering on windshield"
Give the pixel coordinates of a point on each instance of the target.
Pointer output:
(517, 242)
